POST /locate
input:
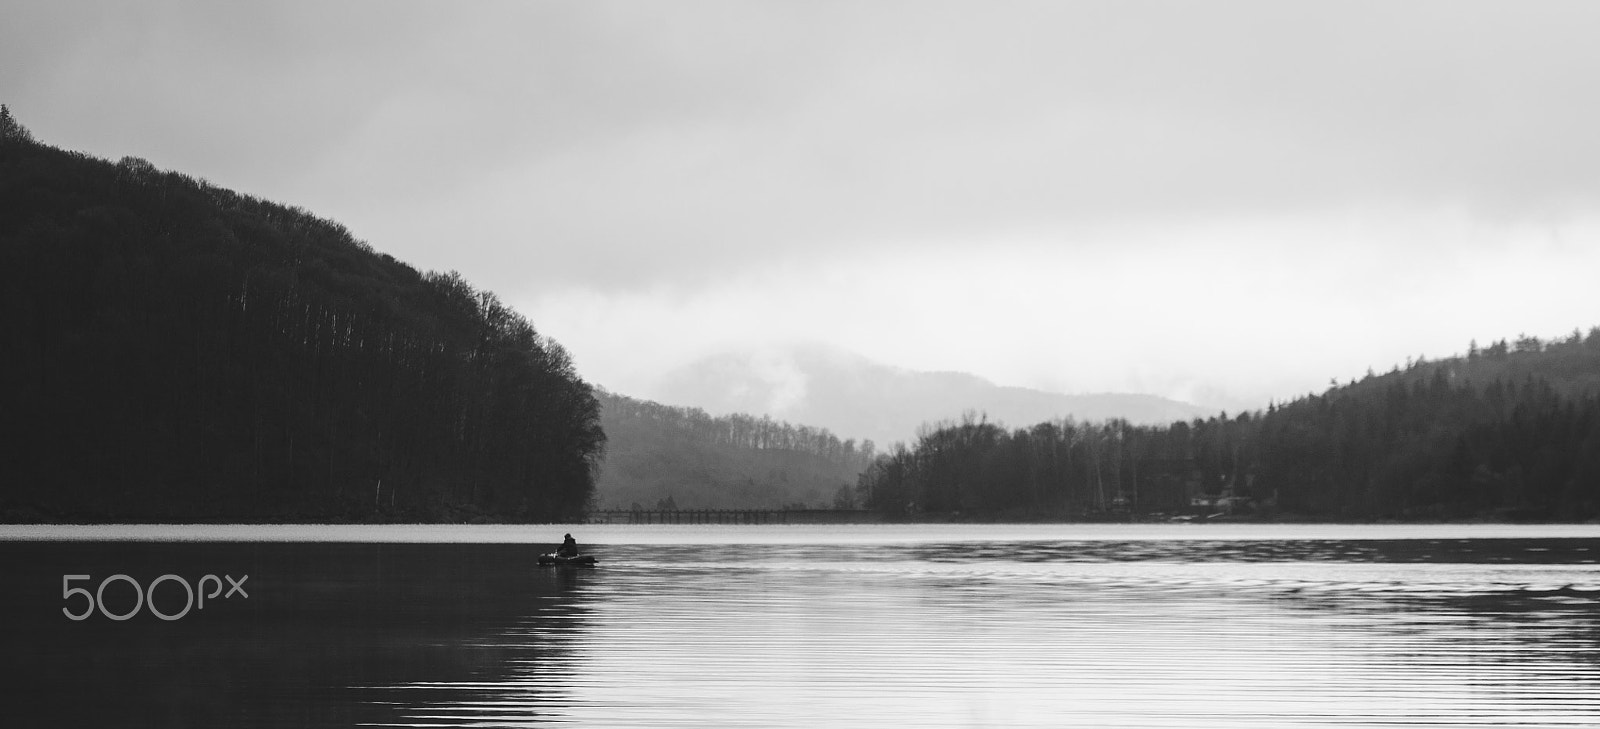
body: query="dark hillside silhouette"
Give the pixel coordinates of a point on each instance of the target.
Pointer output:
(176, 351)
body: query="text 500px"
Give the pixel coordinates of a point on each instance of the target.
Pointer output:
(194, 597)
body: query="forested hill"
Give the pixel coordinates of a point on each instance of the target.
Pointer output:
(1510, 431)
(673, 457)
(179, 352)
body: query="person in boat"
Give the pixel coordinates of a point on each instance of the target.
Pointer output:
(568, 548)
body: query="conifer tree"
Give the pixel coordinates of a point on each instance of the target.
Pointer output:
(10, 129)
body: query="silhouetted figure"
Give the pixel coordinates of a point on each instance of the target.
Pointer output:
(568, 548)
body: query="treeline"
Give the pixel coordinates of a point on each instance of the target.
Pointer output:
(178, 351)
(660, 456)
(1059, 469)
(1511, 431)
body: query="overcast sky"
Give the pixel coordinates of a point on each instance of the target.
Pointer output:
(1221, 202)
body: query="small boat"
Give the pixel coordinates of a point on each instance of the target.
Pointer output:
(556, 560)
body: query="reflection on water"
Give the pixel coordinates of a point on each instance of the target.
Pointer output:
(1096, 634)
(714, 628)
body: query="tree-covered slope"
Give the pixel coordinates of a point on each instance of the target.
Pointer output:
(1507, 432)
(659, 455)
(177, 351)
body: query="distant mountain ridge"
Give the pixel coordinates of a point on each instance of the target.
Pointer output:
(854, 396)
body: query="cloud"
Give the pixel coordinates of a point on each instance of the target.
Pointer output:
(1231, 315)
(619, 143)
(1229, 200)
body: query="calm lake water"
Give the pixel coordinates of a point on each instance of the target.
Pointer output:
(802, 626)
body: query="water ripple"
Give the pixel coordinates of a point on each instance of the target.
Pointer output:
(1049, 634)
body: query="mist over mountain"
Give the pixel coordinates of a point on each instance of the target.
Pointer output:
(854, 396)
